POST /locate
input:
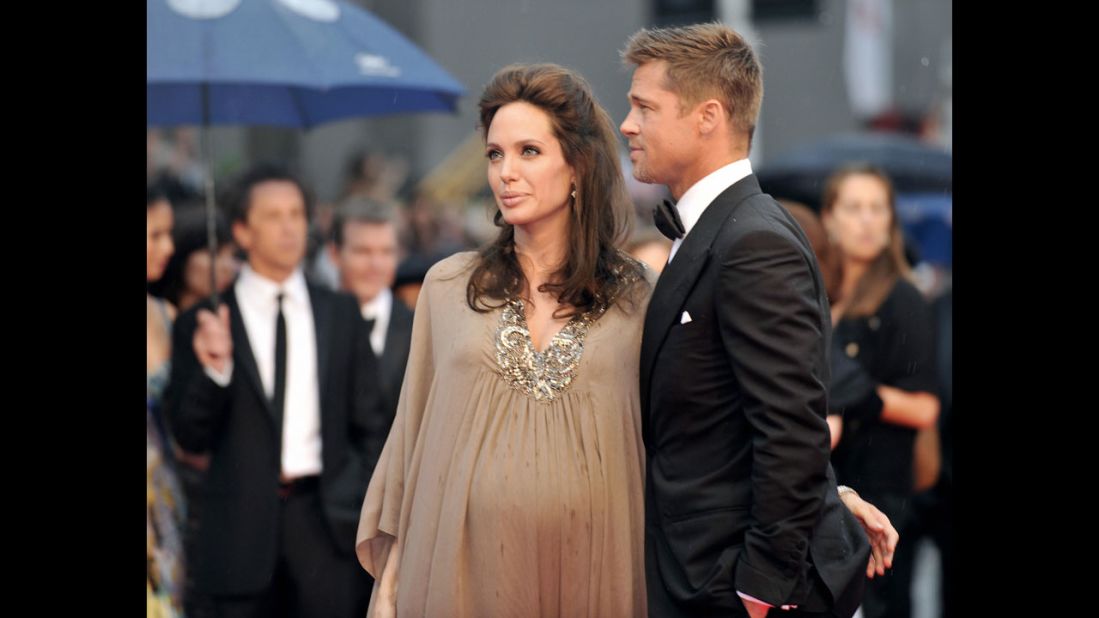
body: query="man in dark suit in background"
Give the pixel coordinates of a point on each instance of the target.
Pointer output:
(742, 511)
(279, 387)
(364, 249)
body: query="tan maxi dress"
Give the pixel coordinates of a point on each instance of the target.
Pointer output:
(512, 479)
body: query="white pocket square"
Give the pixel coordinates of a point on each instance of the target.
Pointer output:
(686, 317)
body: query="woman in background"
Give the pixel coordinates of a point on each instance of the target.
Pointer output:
(164, 497)
(186, 279)
(882, 322)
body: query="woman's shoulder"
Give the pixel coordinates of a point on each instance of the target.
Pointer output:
(450, 267)
(164, 311)
(636, 274)
(905, 304)
(637, 282)
(649, 275)
(904, 294)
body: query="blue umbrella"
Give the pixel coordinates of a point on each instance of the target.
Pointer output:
(295, 63)
(292, 63)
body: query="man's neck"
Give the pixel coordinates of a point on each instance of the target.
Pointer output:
(702, 168)
(272, 273)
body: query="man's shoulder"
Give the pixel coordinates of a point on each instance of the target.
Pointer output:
(398, 311)
(343, 303)
(759, 216)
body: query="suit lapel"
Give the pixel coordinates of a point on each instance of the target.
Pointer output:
(671, 290)
(680, 276)
(322, 323)
(243, 356)
(398, 331)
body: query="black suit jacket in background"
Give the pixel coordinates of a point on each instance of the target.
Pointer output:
(398, 338)
(739, 491)
(237, 543)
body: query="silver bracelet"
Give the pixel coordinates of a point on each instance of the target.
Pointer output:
(844, 489)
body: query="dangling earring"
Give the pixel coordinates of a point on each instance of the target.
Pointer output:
(573, 194)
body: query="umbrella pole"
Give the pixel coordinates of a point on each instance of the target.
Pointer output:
(211, 219)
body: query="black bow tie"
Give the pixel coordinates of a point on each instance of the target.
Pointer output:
(667, 220)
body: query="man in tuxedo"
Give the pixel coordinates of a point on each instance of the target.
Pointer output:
(279, 386)
(364, 250)
(742, 510)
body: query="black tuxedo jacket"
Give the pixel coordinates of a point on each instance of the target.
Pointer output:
(391, 366)
(734, 375)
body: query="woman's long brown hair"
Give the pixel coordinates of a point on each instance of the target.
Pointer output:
(594, 272)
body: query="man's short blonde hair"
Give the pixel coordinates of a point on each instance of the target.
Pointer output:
(705, 61)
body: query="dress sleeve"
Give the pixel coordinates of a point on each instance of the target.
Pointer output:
(381, 517)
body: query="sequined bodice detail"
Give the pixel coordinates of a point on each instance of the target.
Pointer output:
(546, 375)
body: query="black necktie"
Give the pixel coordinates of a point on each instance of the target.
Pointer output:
(667, 220)
(279, 397)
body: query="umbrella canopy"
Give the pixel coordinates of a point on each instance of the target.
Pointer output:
(294, 63)
(291, 63)
(912, 165)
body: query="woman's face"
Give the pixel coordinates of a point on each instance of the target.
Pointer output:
(860, 221)
(158, 238)
(526, 167)
(196, 272)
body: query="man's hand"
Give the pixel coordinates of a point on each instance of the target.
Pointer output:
(755, 610)
(213, 343)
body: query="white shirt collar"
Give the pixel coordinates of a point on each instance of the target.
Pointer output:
(379, 311)
(379, 306)
(695, 200)
(259, 288)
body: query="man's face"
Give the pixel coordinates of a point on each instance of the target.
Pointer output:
(663, 143)
(275, 229)
(368, 258)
